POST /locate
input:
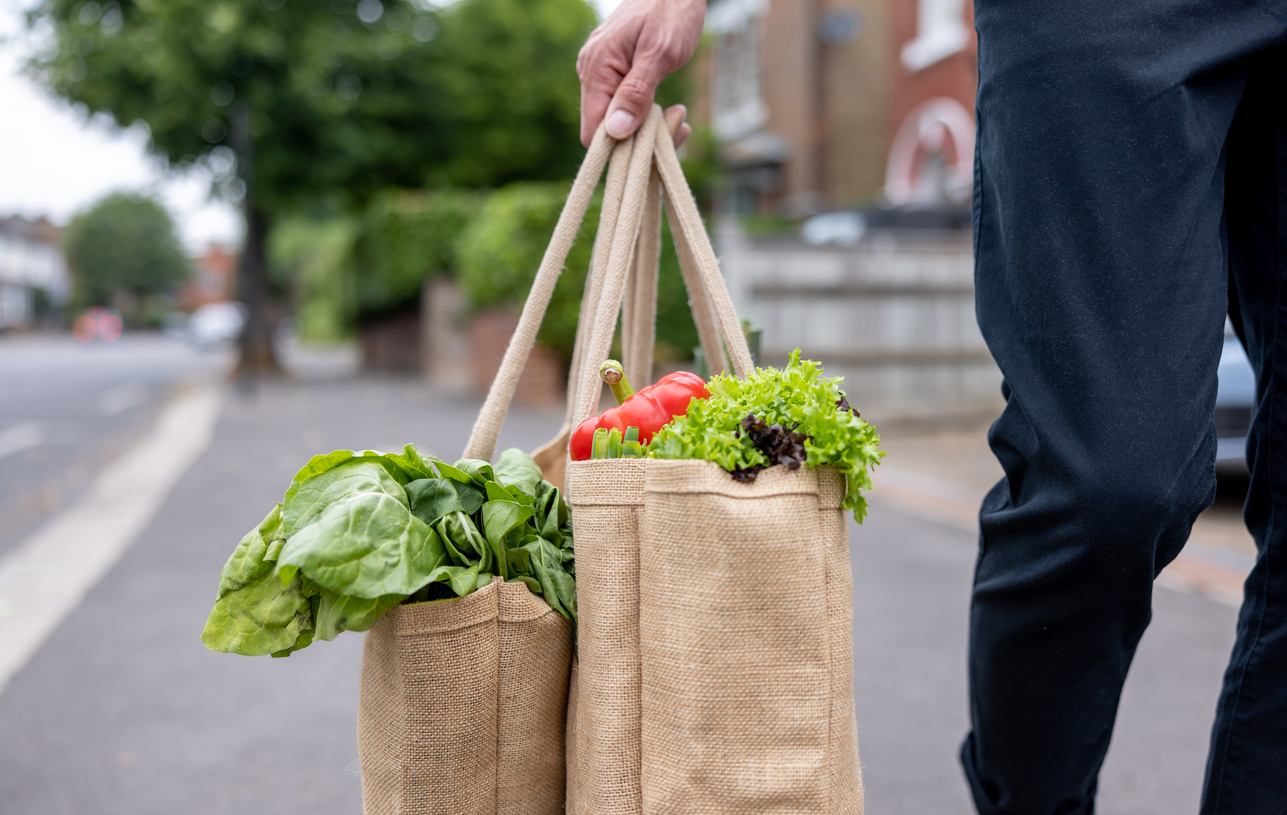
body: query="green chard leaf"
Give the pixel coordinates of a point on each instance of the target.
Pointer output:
(255, 614)
(341, 612)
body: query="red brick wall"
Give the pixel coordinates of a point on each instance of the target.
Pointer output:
(955, 77)
(544, 379)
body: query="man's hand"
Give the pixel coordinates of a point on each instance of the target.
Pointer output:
(626, 58)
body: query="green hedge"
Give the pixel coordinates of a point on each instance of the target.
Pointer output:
(500, 250)
(405, 238)
(310, 256)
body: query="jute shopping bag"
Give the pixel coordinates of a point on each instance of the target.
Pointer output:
(462, 704)
(652, 726)
(745, 617)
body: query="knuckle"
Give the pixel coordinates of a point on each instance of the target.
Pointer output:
(634, 91)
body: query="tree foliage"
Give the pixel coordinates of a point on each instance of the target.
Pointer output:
(125, 243)
(405, 238)
(344, 98)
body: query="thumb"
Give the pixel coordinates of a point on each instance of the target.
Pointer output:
(633, 98)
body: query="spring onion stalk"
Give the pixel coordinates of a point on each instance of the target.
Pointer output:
(614, 374)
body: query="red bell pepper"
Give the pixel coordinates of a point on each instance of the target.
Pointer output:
(649, 410)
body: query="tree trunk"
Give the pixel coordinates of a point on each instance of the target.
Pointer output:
(258, 356)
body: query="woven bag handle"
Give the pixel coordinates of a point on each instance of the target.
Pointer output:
(614, 250)
(639, 312)
(690, 237)
(602, 317)
(482, 439)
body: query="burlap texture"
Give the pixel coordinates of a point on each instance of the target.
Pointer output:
(745, 626)
(605, 498)
(461, 707)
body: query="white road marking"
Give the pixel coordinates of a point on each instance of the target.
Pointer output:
(19, 437)
(44, 579)
(121, 398)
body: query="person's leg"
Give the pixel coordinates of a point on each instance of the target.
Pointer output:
(1101, 291)
(1247, 767)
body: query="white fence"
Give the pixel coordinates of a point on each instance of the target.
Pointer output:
(893, 314)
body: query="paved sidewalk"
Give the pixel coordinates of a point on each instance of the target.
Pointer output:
(124, 711)
(945, 476)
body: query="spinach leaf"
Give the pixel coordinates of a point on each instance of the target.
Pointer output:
(432, 498)
(478, 470)
(457, 531)
(515, 468)
(545, 564)
(499, 519)
(360, 532)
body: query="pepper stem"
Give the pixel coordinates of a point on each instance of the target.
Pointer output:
(614, 374)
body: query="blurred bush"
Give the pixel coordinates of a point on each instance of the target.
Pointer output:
(313, 255)
(404, 239)
(501, 249)
(123, 251)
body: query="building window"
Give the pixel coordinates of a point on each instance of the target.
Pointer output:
(736, 27)
(940, 33)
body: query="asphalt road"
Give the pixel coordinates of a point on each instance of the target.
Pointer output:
(124, 711)
(68, 408)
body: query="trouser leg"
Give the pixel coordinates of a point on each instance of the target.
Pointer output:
(1101, 291)
(1247, 766)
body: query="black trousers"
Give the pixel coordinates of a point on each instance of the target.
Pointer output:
(1130, 190)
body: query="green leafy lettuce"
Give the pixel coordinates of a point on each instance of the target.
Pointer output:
(797, 399)
(360, 532)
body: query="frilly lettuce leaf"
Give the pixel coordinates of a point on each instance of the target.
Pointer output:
(795, 396)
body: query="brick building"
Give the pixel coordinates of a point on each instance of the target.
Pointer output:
(823, 104)
(214, 278)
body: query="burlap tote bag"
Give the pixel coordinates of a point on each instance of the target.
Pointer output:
(462, 706)
(714, 667)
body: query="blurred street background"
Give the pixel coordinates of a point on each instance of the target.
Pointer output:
(237, 233)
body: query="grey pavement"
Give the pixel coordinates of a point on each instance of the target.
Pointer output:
(124, 711)
(67, 408)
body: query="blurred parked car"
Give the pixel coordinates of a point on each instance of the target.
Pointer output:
(216, 323)
(98, 324)
(1235, 398)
